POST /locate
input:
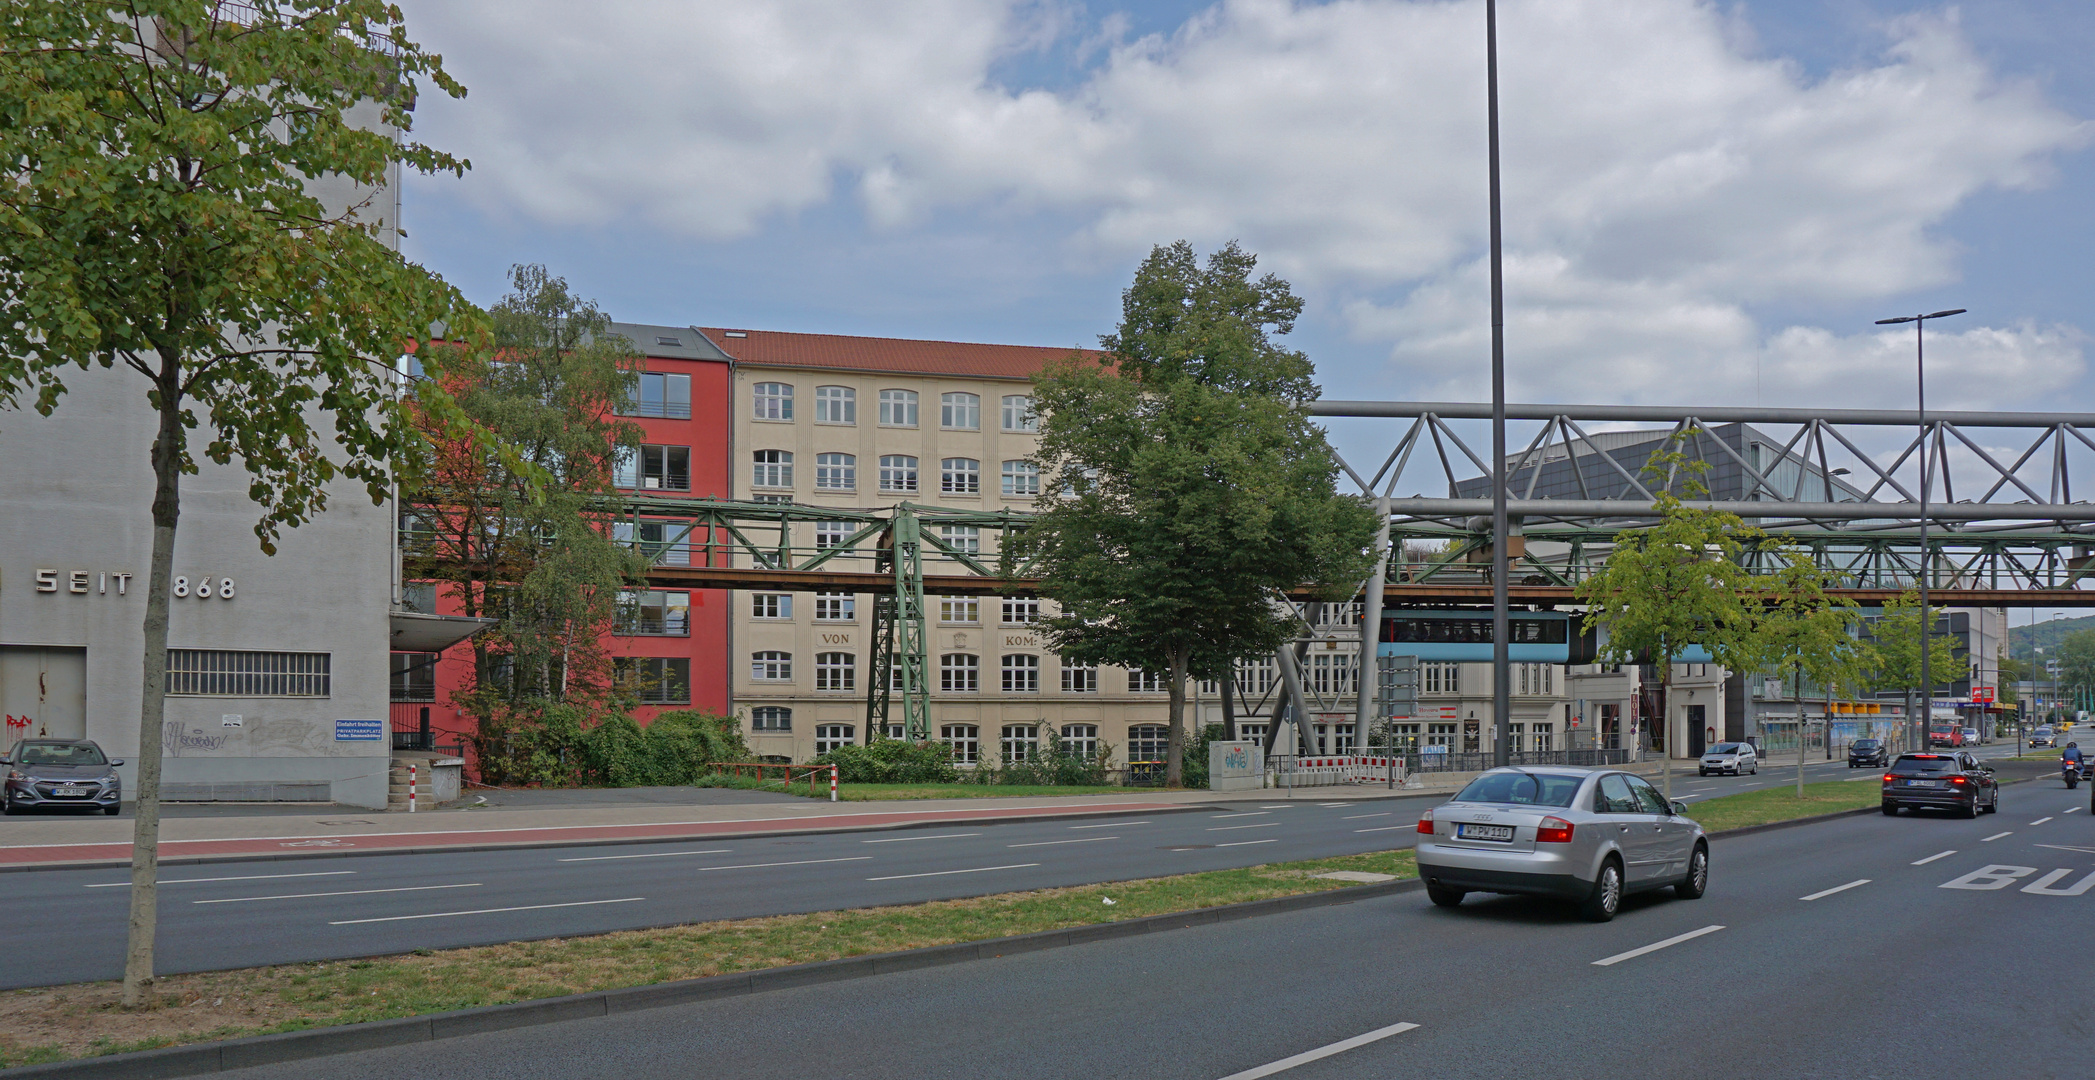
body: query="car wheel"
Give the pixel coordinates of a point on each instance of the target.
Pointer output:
(1697, 882)
(112, 811)
(1891, 809)
(1606, 898)
(1972, 811)
(8, 807)
(1442, 896)
(1701, 772)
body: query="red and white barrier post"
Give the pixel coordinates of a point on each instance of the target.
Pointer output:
(412, 776)
(832, 783)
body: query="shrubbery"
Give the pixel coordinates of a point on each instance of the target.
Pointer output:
(893, 761)
(552, 747)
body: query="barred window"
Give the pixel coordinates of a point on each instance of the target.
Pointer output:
(836, 405)
(1079, 678)
(1080, 740)
(898, 408)
(836, 472)
(237, 673)
(771, 666)
(836, 671)
(1018, 413)
(1021, 742)
(659, 680)
(962, 412)
(836, 606)
(1021, 674)
(774, 401)
(958, 673)
(965, 739)
(898, 472)
(770, 718)
(829, 737)
(1021, 478)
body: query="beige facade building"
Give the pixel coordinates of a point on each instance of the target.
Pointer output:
(848, 422)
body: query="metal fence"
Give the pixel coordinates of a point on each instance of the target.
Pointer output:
(1478, 762)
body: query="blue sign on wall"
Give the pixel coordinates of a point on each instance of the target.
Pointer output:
(359, 730)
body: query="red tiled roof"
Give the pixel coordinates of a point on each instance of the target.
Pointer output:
(772, 348)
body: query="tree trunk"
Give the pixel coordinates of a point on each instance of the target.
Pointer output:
(1174, 769)
(145, 831)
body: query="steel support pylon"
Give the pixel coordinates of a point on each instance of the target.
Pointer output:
(908, 629)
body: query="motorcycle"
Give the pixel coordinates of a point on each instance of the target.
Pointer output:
(2073, 772)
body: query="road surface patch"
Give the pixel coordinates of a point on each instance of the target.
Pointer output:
(1110, 825)
(346, 892)
(1655, 946)
(1078, 840)
(486, 911)
(1321, 1052)
(913, 839)
(1837, 888)
(1357, 817)
(1260, 825)
(943, 873)
(1247, 813)
(1244, 843)
(794, 862)
(649, 855)
(1386, 828)
(241, 877)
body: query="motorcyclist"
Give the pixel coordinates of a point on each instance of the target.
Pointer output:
(2072, 758)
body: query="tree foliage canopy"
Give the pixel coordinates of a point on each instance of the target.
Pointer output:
(1893, 662)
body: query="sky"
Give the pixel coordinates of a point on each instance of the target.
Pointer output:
(1705, 202)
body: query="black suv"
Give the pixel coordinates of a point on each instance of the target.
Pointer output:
(1868, 752)
(1952, 780)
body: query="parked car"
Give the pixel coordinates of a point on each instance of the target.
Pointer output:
(1736, 758)
(1591, 836)
(1952, 781)
(2043, 736)
(1868, 752)
(1946, 737)
(1971, 736)
(50, 773)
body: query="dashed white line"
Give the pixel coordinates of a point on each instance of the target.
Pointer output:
(1932, 858)
(1078, 840)
(1386, 828)
(2040, 820)
(795, 862)
(1242, 843)
(907, 839)
(648, 855)
(1247, 813)
(1656, 946)
(1277, 806)
(1260, 825)
(243, 877)
(1321, 1052)
(1998, 835)
(486, 911)
(2071, 810)
(1330, 804)
(346, 892)
(1110, 825)
(1823, 893)
(1357, 817)
(943, 873)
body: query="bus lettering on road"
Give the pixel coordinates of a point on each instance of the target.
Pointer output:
(1999, 876)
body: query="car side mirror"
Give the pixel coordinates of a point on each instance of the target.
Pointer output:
(116, 761)
(1679, 808)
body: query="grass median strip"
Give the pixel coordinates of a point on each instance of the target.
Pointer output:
(83, 1020)
(885, 792)
(1775, 804)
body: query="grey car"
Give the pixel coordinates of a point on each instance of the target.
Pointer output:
(50, 773)
(1591, 836)
(1736, 758)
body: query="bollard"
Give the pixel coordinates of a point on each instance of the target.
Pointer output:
(412, 776)
(832, 783)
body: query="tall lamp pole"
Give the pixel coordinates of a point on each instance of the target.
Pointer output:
(1927, 623)
(1501, 565)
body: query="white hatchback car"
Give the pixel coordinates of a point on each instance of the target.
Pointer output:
(1736, 758)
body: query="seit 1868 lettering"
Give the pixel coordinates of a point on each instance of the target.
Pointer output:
(118, 583)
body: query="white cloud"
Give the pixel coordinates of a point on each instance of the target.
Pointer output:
(1660, 180)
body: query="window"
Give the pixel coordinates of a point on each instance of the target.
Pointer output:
(836, 405)
(962, 538)
(658, 680)
(836, 472)
(1021, 478)
(654, 612)
(770, 718)
(1080, 740)
(957, 673)
(1021, 610)
(1331, 674)
(1021, 674)
(898, 408)
(962, 412)
(894, 731)
(1148, 742)
(960, 476)
(898, 472)
(836, 606)
(1079, 678)
(653, 466)
(1545, 736)
(1021, 742)
(836, 671)
(667, 542)
(776, 500)
(1018, 413)
(1342, 738)
(774, 401)
(660, 395)
(231, 673)
(1648, 796)
(1251, 732)
(1612, 797)
(1527, 789)
(771, 666)
(1440, 678)
(771, 605)
(1537, 679)
(966, 741)
(959, 609)
(829, 534)
(829, 737)
(1257, 678)
(414, 676)
(1143, 682)
(774, 468)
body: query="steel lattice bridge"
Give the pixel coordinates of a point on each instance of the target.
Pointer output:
(1844, 485)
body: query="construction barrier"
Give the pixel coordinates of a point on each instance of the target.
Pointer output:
(1305, 771)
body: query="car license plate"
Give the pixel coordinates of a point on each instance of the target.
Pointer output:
(1484, 832)
(69, 790)
(1923, 783)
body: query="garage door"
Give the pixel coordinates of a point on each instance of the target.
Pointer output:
(43, 692)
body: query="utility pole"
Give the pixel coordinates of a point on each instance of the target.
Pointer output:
(1501, 565)
(1927, 566)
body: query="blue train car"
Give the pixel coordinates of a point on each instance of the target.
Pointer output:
(1464, 634)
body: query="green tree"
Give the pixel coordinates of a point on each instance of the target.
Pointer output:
(530, 541)
(1676, 584)
(1184, 491)
(2076, 656)
(1807, 632)
(162, 217)
(1894, 659)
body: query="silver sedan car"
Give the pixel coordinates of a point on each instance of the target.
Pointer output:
(1591, 836)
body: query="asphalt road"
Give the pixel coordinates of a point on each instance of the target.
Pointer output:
(1862, 947)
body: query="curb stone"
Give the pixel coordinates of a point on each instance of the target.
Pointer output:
(203, 1058)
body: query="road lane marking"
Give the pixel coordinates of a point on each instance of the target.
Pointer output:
(1998, 835)
(1260, 825)
(1656, 946)
(1321, 1052)
(648, 855)
(1110, 825)
(1357, 817)
(1247, 813)
(1932, 858)
(1386, 828)
(2066, 847)
(1277, 806)
(943, 873)
(1241, 843)
(795, 862)
(907, 839)
(1330, 804)
(2071, 810)
(243, 877)
(346, 892)
(2040, 820)
(486, 911)
(1078, 840)
(1837, 888)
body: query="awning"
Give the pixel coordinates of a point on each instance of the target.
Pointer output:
(415, 632)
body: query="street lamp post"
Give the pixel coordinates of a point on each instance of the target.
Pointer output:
(1501, 565)
(1927, 568)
